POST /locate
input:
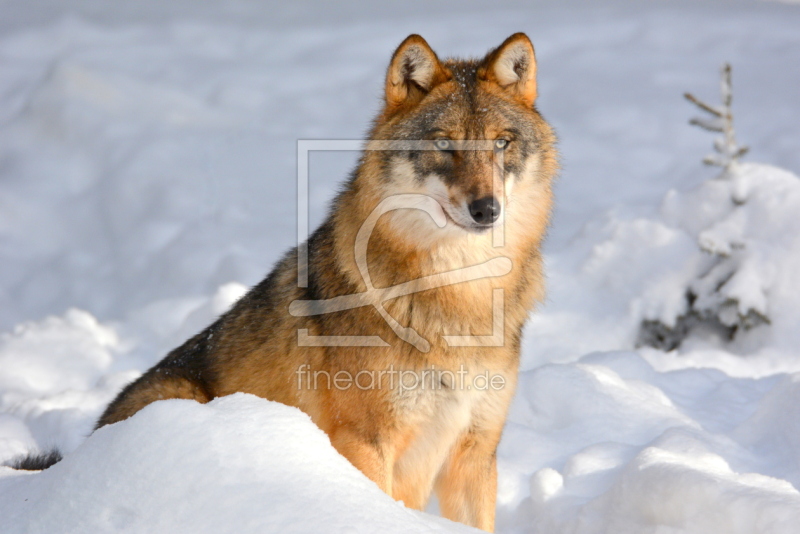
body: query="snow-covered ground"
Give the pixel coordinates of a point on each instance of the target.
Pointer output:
(147, 177)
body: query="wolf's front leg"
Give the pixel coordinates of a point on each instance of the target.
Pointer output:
(467, 484)
(366, 454)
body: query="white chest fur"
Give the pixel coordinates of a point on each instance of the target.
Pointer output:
(438, 416)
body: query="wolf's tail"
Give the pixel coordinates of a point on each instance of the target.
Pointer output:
(36, 461)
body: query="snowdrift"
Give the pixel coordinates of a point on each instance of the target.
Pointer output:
(237, 464)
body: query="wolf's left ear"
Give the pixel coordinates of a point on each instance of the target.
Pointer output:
(413, 72)
(512, 66)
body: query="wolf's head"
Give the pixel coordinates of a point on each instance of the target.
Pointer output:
(465, 133)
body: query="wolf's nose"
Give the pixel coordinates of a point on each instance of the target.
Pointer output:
(485, 210)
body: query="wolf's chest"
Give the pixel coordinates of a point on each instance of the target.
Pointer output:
(444, 406)
(434, 419)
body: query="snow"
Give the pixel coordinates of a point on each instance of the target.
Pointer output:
(609, 444)
(269, 466)
(147, 157)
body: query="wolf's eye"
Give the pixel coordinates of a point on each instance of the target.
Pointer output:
(443, 144)
(501, 144)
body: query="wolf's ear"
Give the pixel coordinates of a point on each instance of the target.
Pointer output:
(512, 66)
(413, 72)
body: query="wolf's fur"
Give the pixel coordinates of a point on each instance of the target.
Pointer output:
(409, 441)
(36, 461)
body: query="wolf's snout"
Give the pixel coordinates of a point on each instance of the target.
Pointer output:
(485, 210)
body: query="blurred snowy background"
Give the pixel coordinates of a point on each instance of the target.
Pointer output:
(147, 177)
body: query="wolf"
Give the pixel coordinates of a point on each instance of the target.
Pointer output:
(412, 380)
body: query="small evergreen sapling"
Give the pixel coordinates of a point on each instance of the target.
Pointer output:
(714, 297)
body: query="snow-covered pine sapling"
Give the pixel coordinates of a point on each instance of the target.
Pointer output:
(725, 296)
(720, 120)
(710, 295)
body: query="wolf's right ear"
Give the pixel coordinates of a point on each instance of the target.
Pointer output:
(413, 72)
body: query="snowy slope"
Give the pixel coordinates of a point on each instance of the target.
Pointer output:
(238, 464)
(147, 158)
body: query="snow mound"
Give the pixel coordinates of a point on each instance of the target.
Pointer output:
(56, 377)
(237, 464)
(56, 354)
(616, 446)
(677, 485)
